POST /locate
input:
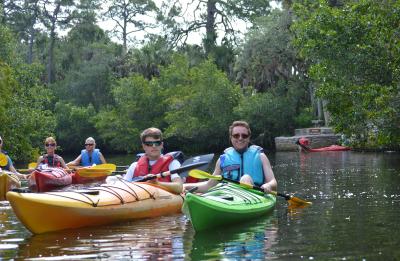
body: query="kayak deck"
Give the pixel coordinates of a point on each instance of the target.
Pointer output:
(105, 204)
(226, 204)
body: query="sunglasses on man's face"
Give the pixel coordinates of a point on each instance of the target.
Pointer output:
(89, 144)
(238, 135)
(50, 144)
(155, 143)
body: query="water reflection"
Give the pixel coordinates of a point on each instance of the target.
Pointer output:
(139, 240)
(354, 216)
(250, 241)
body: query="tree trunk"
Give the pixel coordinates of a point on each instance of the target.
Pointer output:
(211, 35)
(50, 65)
(327, 115)
(29, 57)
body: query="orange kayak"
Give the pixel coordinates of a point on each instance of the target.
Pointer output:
(105, 204)
(8, 181)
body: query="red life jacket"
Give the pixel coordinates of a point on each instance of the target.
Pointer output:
(161, 165)
(56, 160)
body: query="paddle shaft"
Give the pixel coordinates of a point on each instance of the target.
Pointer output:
(287, 197)
(178, 170)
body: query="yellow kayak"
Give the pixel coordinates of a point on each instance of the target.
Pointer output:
(8, 181)
(105, 204)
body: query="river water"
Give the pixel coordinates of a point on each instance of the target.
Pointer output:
(355, 216)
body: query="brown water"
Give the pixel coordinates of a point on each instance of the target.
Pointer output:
(354, 216)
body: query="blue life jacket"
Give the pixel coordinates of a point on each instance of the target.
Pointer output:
(89, 160)
(234, 164)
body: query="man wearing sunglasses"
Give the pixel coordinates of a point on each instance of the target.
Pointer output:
(154, 162)
(89, 155)
(241, 162)
(6, 162)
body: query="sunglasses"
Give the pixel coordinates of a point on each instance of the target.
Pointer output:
(50, 144)
(89, 144)
(152, 143)
(238, 135)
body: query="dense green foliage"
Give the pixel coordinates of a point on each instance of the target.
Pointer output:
(353, 51)
(83, 84)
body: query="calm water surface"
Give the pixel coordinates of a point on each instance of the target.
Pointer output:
(355, 216)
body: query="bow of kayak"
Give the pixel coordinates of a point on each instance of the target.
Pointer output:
(8, 180)
(226, 204)
(105, 204)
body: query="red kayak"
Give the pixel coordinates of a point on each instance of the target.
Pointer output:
(304, 143)
(329, 148)
(42, 180)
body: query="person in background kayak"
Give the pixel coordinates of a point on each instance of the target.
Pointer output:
(50, 159)
(244, 163)
(89, 156)
(154, 162)
(303, 144)
(6, 162)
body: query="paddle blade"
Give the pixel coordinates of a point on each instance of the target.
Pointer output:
(202, 158)
(189, 167)
(108, 166)
(200, 174)
(295, 202)
(92, 173)
(32, 165)
(3, 159)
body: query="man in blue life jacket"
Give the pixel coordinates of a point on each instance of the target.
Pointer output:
(89, 156)
(6, 162)
(244, 163)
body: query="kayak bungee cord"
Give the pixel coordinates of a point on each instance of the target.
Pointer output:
(126, 184)
(109, 189)
(92, 203)
(248, 197)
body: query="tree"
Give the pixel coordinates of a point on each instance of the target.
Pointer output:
(268, 54)
(126, 13)
(354, 61)
(22, 17)
(213, 16)
(55, 13)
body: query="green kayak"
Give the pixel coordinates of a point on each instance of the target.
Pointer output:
(225, 204)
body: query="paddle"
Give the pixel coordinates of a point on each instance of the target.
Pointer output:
(106, 166)
(292, 200)
(3, 159)
(32, 165)
(201, 162)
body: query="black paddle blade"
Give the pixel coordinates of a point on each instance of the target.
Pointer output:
(189, 167)
(202, 158)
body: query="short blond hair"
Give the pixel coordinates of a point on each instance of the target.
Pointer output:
(50, 140)
(90, 139)
(151, 132)
(241, 124)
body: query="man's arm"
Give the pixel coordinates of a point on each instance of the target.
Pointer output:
(204, 186)
(270, 181)
(76, 161)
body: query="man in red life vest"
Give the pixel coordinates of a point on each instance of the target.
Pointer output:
(153, 162)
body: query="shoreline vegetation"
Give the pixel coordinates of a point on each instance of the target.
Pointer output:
(332, 62)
